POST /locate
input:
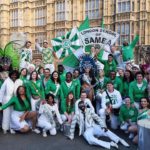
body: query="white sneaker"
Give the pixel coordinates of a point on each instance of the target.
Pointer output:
(131, 136)
(12, 131)
(4, 131)
(124, 127)
(44, 134)
(113, 144)
(124, 143)
(37, 131)
(71, 137)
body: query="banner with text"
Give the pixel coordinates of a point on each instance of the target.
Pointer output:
(99, 36)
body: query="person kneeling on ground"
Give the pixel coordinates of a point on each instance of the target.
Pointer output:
(48, 111)
(21, 112)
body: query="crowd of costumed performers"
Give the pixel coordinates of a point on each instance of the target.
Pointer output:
(98, 95)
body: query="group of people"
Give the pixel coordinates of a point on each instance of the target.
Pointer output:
(115, 95)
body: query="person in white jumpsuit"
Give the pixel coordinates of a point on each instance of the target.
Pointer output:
(91, 130)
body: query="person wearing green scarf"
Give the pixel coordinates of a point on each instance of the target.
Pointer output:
(35, 90)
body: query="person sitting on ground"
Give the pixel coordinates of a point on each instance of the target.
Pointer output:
(92, 127)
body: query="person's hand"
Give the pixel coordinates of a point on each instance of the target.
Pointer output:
(108, 110)
(69, 119)
(43, 102)
(113, 49)
(104, 129)
(22, 118)
(101, 91)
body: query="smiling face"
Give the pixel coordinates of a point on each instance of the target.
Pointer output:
(127, 74)
(121, 72)
(34, 76)
(144, 103)
(112, 75)
(28, 44)
(50, 100)
(55, 75)
(70, 96)
(45, 45)
(14, 76)
(24, 72)
(110, 58)
(101, 73)
(127, 101)
(76, 74)
(139, 78)
(110, 87)
(46, 73)
(83, 96)
(68, 77)
(21, 91)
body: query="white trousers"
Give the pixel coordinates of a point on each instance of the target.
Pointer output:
(46, 125)
(114, 119)
(91, 133)
(6, 118)
(34, 103)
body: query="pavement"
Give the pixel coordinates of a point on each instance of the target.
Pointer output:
(32, 141)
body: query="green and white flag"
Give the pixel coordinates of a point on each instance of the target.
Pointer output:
(72, 60)
(66, 45)
(85, 24)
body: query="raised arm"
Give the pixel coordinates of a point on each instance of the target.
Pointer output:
(135, 40)
(37, 46)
